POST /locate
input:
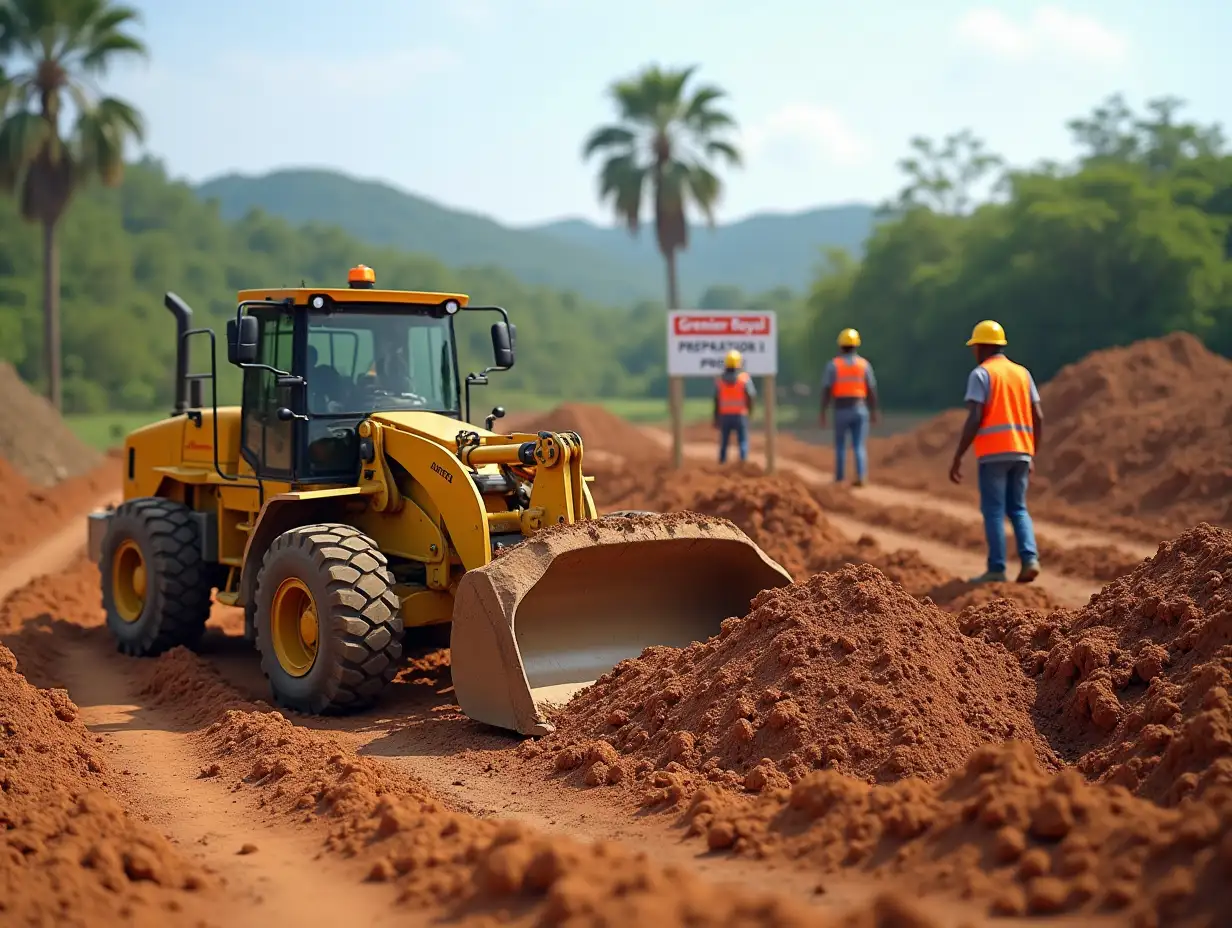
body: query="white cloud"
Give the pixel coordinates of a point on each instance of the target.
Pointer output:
(806, 133)
(1047, 31)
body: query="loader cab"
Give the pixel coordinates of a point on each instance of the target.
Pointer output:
(323, 360)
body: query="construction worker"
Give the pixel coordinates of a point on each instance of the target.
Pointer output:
(734, 394)
(1004, 423)
(850, 383)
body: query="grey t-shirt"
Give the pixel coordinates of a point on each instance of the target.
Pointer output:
(831, 374)
(979, 384)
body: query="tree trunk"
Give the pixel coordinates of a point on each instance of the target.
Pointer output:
(673, 288)
(675, 385)
(51, 314)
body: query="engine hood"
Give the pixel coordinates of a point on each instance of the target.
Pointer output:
(430, 425)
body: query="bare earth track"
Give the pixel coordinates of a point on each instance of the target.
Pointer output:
(847, 753)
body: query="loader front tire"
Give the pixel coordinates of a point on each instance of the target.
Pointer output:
(328, 623)
(155, 582)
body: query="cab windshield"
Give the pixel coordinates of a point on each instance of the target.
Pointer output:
(362, 361)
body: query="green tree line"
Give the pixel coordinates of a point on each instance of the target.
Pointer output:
(1130, 242)
(123, 248)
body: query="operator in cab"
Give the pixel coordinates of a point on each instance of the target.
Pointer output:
(734, 394)
(850, 384)
(1004, 421)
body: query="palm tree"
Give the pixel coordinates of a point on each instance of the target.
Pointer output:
(662, 149)
(51, 51)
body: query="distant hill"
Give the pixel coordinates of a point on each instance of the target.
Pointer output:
(600, 263)
(759, 253)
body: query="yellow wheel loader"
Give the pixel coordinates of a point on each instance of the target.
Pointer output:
(349, 498)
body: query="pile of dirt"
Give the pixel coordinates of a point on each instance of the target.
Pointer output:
(998, 828)
(34, 439)
(490, 871)
(781, 515)
(601, 431)
(1139, 432)
(71, 855)
(30, 511)
(845, 672)
(1134, 688)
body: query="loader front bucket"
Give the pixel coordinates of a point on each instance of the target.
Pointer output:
(556, 612)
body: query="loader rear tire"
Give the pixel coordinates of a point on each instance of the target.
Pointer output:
(155, 583)
(630, 513)
(328, 623)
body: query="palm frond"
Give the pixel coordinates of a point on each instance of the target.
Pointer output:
(22, 136)
(99, 137)
(606, 137)
(622, 180)
(704, 188)
(106, 48)
(717, 148)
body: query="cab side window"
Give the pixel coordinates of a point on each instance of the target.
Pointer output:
(267, 441)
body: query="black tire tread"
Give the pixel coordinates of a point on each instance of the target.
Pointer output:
(363, 612)
(177, 570)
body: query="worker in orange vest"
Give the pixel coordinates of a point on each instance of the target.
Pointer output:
(849, 382)
(733, 404)
(1004, 423)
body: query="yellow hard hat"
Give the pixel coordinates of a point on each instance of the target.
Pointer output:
(849, 338)
(734, 360)
(987, 333)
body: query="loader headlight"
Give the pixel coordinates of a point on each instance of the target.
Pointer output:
(318, 302)
(451, 307)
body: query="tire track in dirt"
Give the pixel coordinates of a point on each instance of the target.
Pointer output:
(285, 878)
(52, 554)
(418, 729)
(1069, 591)
(893, 496)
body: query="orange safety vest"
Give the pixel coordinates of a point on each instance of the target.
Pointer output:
(1007, 425)
(733, 395)
(850, 378)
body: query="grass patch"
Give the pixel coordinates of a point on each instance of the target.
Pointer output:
(105, 430)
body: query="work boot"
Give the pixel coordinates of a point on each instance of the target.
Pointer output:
(990, 576)
(858, 482)
(1030, 570)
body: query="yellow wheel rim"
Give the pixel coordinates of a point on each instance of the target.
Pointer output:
(294, 627)
(128, 580)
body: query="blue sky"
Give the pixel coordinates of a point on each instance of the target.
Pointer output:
(483, 104)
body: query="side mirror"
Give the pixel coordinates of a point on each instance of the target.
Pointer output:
(502, 345)
(242, 337)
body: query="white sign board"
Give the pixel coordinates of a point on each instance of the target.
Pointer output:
(698, 341)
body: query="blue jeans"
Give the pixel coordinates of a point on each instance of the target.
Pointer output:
(853, 419)
(733, 425)
(1003, 492)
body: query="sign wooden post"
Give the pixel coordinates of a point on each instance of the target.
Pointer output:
(675, 400)
(770, 404)
(697, 344)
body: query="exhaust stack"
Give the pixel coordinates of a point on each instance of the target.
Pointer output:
(183, 322)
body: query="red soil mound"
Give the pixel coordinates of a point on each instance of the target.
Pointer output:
(845, 672)
(1134, 687)
(30, 511)
(494, 872)
(998, 828)
(600, 430)
(1139, 431)
(34, 440)
(71, 855)
(781, 514)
